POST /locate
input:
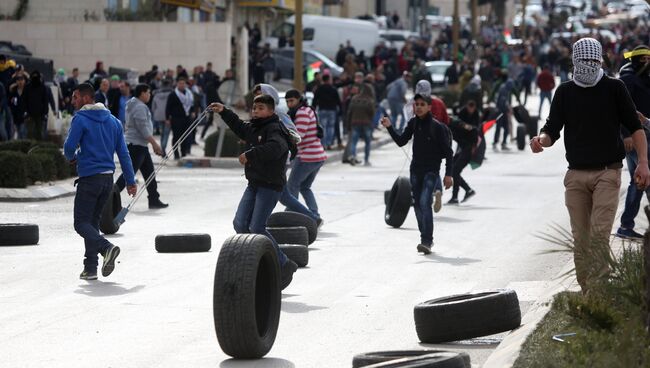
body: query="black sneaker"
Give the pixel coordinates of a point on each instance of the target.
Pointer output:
(629, 234)
(319, 223)
(424, 248)
(88, 275)
(453, 201)
(286, 273)
(109, 260)
(469, 194)
(157, 204)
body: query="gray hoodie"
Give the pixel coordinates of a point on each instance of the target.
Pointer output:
(139, 126)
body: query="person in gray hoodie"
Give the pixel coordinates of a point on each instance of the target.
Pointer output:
(138, 134)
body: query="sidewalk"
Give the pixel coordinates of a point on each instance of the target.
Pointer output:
(34, 193)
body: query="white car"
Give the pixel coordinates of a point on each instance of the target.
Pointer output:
(437, 70)
(396, 38)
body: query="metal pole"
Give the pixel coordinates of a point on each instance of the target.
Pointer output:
(297, 46)
(475, 19)
(455, 32)
(524, 4)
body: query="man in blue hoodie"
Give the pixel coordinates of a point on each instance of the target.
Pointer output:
(94, 137)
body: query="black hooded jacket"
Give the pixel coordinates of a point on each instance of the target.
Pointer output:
(638, 86)
(267, 149)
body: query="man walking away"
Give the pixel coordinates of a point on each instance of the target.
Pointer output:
(591, 108)
(139, 133)
(35, 102)
(546, 83)
(396, 96)
(158, 107)
(359, 115)
(178, 112)
(431, 144)
(94, 137)
(328, 103)
(466, 135)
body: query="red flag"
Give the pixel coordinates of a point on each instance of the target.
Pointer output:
(488, 124)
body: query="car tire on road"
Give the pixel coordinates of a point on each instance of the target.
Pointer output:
(399, 202)
(290, 235)
(297, 253)
(247, 296)
(290, 219)
(183, 243)
(465, 316)
(18, 234)
(447, 359)
(386, 196)
(521, 136)
(366, 359)
(112, 207)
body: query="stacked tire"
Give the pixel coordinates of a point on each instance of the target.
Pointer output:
(294, 232)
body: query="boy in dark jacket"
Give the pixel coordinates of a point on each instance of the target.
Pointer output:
(431, 143)
(264, 163)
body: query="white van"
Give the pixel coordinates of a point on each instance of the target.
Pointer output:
(325, 34)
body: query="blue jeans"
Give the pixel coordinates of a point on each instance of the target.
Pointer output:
(422, 186)
(293, 204)
(92, 193)
(366, 132)
(379, 113)
(542, 96)
(253, 212)
(329, 120)
(397, 110)
(300, 181)
(634, 194)
(164, 136)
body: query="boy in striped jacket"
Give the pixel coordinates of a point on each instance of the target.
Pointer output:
(311, 155)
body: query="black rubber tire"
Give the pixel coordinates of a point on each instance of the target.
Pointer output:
(18, 234)
(386, 196)
(290, 219)
(521, 114)
(531, 127)
(297, 253)
(521, 136)
(247, 296)
(183, 243)
(465, 316)
(399, 202)
(447, 359)
(366, 359)
(112, 207)
(290, 235)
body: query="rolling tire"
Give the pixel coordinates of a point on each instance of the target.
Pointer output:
(386, 196)
(290, 235)
(183, 243)
(531, 127)
(247, 296)
(18, 234)
(297, 253)
(290, 219)
(399, 202)
(521, 136)
(366, 359)
(112, 207)
(447, 359)
(465, 316)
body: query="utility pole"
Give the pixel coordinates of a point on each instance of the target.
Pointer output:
(524, 4)
(297, 47)
(424, 10)
(475, 20)
(455, 32)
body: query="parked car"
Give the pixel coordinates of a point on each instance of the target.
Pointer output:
(396, 38)
(325, 34)
(8, 47)
(284, 62)
(437, 70)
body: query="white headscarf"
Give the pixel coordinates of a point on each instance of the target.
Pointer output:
(187, 99)
(586, 70)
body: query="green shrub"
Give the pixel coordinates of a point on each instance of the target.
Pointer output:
(47, 164)
(14, 172)
(22, 145)
(231, 145)
(60, 162)
(33, 167)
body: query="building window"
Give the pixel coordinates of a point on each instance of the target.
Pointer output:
(133, 5)
(112, 4)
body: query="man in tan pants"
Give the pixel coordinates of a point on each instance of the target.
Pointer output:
(592, 108)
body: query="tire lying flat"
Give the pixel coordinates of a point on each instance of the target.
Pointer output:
(247, 296)
(183, 243)
(290, 235)
(447, 359)
(297, 253)
(399, 202)
(112, 207)
(366, 359)
(19, 234)
(291, 219)
(465, 316)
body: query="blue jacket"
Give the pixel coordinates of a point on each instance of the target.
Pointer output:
(98, 135)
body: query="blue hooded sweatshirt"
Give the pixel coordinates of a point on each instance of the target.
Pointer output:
(98, 135)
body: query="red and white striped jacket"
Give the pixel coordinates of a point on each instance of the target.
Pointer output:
(310, 148)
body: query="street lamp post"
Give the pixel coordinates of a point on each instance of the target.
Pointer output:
(455, 32)
(297, 47)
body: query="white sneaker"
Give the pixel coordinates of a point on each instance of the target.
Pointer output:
(437, 203)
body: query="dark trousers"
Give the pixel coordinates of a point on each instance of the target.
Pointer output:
(178, 129)
(634, 194)
(461, 160)
(35, 127)
(502, 123)
(253, 212)
(92, 193)
(141, 160)
(422, 186)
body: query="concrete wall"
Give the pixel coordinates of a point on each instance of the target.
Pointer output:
(57, 10)
(136, 45)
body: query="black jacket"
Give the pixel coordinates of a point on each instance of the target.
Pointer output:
(113, 95)
(35, 100)
(266, 149)
(592, 119)
(431, 144)
(638, 86)
(326, 97)
(174, 110)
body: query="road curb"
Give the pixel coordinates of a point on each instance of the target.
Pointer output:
(508, 350)
(36, 193)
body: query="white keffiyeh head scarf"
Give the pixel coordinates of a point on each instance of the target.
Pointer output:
(587, 62)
